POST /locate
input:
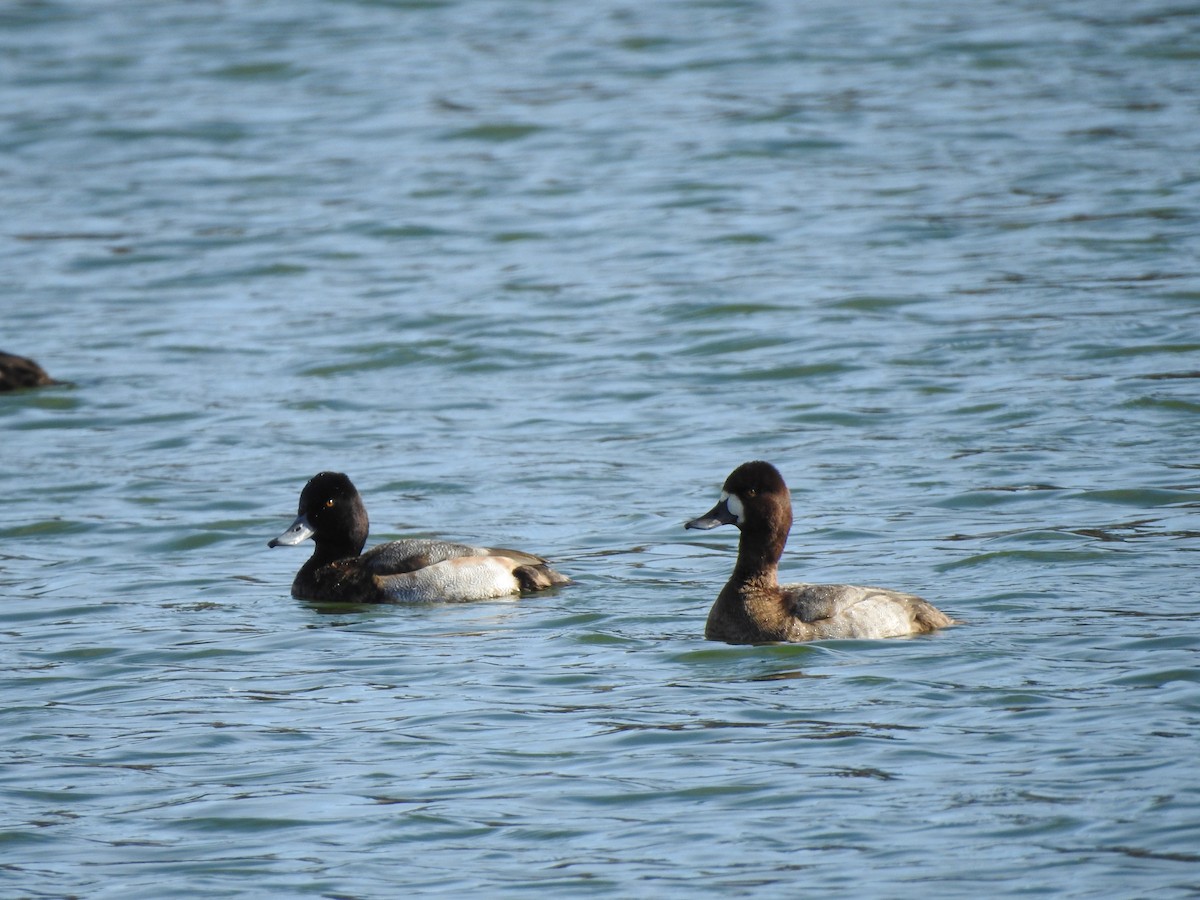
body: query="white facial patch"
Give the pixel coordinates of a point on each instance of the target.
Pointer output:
(734, 504)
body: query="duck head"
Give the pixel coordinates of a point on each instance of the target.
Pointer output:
(331, 512)
(754, 498)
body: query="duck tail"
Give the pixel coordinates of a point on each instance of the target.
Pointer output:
(929, 618)
(538, 577)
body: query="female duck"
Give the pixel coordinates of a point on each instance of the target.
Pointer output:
(18, 372)
(754, 607)
(408, 571)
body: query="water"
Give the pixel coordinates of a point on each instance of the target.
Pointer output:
(542, 274)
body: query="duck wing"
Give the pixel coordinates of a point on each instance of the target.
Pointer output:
(413, 554)
(852, 611)
(418, 570)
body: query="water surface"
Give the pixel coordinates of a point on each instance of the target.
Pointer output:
(540, 275)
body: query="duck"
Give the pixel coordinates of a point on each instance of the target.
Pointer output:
(416, 570)
(18, 372)
(754, 608)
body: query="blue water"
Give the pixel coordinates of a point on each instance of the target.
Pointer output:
(541, 274)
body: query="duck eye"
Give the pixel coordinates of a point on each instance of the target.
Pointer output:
(329, 504)
(753, 492)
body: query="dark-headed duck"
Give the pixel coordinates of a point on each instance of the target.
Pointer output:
(754, 607)
(19, 372)
(408, 571)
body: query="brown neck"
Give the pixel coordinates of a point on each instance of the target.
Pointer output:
(760, 549)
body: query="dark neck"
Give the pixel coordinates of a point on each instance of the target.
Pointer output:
(327, 552)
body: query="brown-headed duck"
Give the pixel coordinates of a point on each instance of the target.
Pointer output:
(18, 372)
(407, 571)
(754, 607)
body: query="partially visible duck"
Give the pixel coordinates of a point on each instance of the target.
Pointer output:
(18, 372)
(754, 607)
(408, 571)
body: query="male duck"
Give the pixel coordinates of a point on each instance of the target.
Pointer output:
(408, 571)
(754, 607)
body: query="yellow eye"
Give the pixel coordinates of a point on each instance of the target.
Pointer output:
(329, 504)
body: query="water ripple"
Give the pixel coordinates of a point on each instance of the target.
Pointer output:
(542, 277)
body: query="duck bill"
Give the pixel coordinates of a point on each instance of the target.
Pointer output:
(299, 531)
(718, 515)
